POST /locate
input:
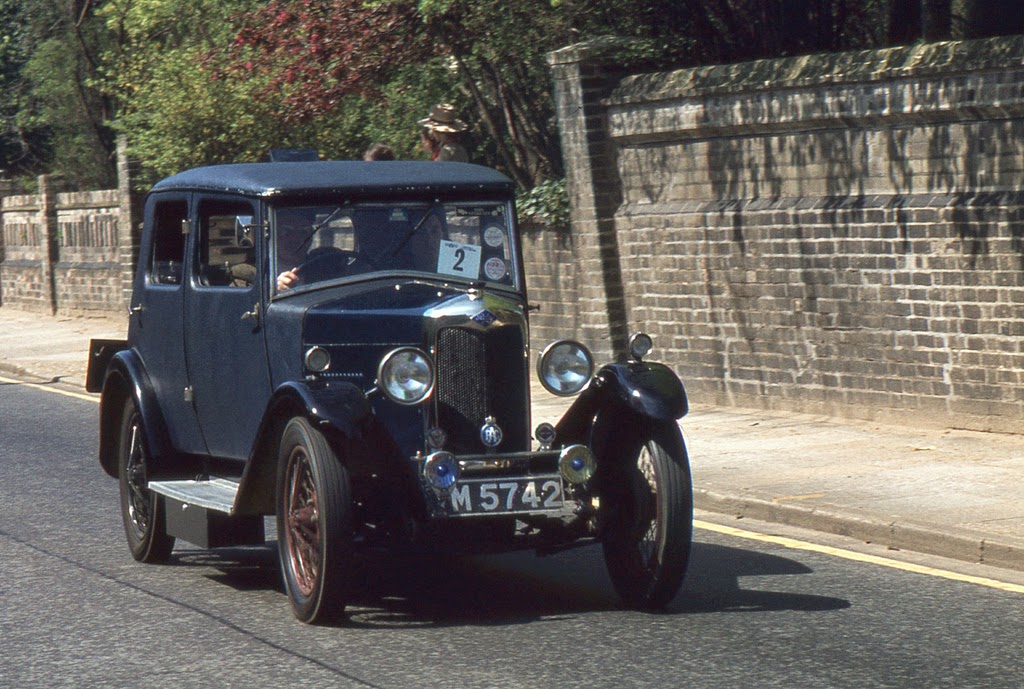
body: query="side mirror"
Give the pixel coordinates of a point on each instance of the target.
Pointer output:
(244, 231)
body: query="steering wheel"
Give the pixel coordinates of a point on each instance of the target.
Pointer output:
(328, 262)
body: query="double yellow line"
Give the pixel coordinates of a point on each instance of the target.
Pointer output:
(50, 388)
(794, 544)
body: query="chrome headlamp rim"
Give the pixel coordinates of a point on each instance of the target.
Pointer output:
(390, 358)
(544, 360)
(317, 359)
(640, 345)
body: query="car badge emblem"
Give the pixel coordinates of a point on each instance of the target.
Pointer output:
(490, 432)
(436, 438)
(485, 318)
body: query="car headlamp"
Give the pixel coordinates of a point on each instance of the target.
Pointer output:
(406, 375)
(565, 367)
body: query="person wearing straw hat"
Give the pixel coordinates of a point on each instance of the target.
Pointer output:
(441, 134)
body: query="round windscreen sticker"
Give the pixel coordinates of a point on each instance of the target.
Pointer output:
(494, 236)
(495, 269)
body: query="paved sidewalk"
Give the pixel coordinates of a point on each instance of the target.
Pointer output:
(945, 492)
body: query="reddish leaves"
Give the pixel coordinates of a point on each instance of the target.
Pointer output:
(314, 52)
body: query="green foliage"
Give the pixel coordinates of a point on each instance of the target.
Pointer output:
(13, 55)
(51, 116)
(545, 204)
(176, 107)
(194, 82)
(61, 98)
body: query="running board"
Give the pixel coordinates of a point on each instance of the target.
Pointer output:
(202, 512)
(216, 494)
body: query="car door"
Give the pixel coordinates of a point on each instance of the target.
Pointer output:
(224, 336)
(156, 316)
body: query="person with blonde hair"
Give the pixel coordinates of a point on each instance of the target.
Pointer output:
(441, 134)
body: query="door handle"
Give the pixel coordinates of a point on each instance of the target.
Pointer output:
(254, 314)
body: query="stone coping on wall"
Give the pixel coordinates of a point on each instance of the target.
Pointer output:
(944, 59)
(924, 83)
(104, 198)
(21, 202)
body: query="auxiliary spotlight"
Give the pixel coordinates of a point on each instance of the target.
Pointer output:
(441, 470)
(577, 464)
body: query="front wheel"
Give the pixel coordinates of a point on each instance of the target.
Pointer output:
(314, 524)
(647, 500)
(141, 509)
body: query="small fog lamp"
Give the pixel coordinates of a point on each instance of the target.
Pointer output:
(545, 435)
(640, 345)
(406, 375)
(441, 470)
(565, 367)
(577, 464)
(317, 359)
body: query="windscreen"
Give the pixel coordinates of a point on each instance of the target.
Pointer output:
(472, 242)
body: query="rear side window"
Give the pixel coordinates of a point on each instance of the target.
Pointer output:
(227, 255)
(167, 258)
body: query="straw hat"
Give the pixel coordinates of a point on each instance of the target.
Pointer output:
(442, 119)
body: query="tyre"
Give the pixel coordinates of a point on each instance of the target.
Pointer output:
(647, 500)
(314, 524)
(141, 509)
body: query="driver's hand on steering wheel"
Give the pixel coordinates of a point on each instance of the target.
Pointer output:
(287, 279)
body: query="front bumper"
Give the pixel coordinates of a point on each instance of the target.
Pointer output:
(516, 484)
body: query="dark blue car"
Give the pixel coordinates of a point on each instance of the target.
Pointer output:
(344, 345)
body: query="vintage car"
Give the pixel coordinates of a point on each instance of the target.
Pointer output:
(344, 346)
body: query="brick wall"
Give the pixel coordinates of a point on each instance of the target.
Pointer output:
(88, 274)
(839, 234)
(68, 253)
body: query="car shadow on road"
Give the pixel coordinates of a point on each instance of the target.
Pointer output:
(409, 591)
(713, 583)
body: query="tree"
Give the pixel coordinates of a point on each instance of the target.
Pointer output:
(51, 115)
(63, 118)
(174, 108)
(16, 145)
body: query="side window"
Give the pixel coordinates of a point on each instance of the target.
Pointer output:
(167, 258)
(226, 258)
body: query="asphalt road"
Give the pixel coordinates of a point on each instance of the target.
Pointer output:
(77, 611)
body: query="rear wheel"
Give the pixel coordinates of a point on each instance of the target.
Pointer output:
(142, 510)
(314, 524)
(647, 500)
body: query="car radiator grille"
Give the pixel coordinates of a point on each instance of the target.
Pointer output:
(480, 374)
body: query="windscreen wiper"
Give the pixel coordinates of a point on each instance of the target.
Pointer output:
(416, 227)
(319, 226)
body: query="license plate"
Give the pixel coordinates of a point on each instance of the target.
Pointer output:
(507, 495)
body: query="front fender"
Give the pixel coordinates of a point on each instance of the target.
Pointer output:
(651, 390)
(339, 406)
(126, 379)
(647, 389)
(338, 409)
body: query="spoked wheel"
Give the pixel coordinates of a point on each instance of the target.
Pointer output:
(141, 509)
(314, 524)
(648, 525)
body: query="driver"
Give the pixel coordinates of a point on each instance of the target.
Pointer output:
(292, 232)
